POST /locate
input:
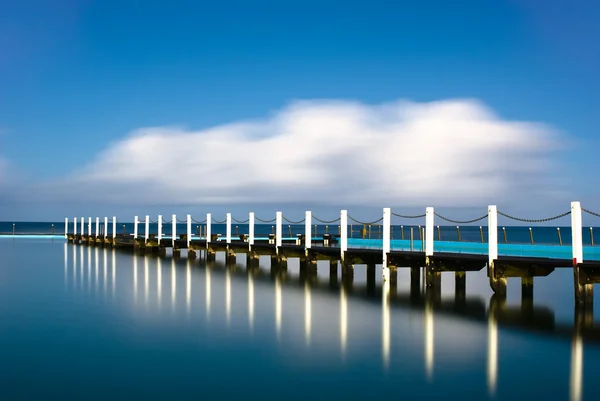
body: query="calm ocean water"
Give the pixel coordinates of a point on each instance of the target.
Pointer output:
(514, 234)
(80, 322)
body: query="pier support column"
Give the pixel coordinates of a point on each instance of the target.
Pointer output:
(460, 286)
(415, 282)
(211, 255)
(252, 259)
(176, 253)
(526, 288)
(333, 273)
(497, 279)
(433, 277)
(347, 275)
(393, 276)
(191, 253)
(584, 288)
(162, 251)
(230, 257)
(371, 279)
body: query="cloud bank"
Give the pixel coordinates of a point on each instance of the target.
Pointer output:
(447, 153)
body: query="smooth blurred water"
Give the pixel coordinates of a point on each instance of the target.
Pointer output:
(80, 322)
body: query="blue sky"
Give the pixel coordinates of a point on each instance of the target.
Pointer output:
(78, 76)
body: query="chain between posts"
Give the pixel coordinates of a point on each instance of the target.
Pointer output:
(199, 222)
(366, 223)
(294, 222)
(219, 222)
(460, 221)
(266, 221)
(326, 221)
(181, 221)
(590, 212)
(152, 221)
(240, 221)
(167, 221)
(534, 220)
(416, 216)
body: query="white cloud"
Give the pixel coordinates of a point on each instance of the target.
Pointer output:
(447, 153)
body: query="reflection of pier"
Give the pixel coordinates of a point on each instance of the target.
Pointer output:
(495, 316)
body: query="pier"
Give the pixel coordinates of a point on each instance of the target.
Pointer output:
(393, 248)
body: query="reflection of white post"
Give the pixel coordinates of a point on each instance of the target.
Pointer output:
(82, 226)
(159, 228)
(135, 278)
(114, 224)
(147, 229)
(208, 227)
(159, 282)
(492, 233)
(343, 234)
(387, 230)
(492, 359)
(251, 301)
(385, 325)
(251, 230)
(105, 227)
(89, 226)
(66, 226)
(576, 368)
(173, 229)
(429, 340)
(307, 313)
(228, 228)
(278, 230)
(429, 221)
(343, 321)
(146, 281)
(228, 295)
(189, 230)
(75, 226)
(278, 308)
(135, 227)
(173, 284)
(307, 229)
(97, 226)
(576, 233)
(207, 279)
(188, 286)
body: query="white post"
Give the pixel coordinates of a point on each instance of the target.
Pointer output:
(147, 229)
(66, 226)
(173, 229)
(135, 227)
(278, 229)
(89, 226)
(343, 233)
(429, 220)
(208, 227)
(97, 226)
(114, 227)
(576, 233)
(189, 229)
(307, 229)
(492, 234)
(251, 229)
(82, 226)
(387, 221)
(74, 226)
(228, 232)
(159, 228)
(105, 227)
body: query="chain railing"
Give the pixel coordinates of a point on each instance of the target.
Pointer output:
(367, 223)
(534, 220)
(199, 222)
(217, 221)
(266, 221)
(293, 222)
(241, 221)
(461, 221)
(326, 221)
(416, 216)
(590, 212)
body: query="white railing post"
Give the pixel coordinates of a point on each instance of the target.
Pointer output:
(135, 227)
(576, 233)
(147, 229)
(106, 227)
(189, 229)
(387, 221)
(429, 221)
(97, 226)
(159, 228)
(89, 226)
(228, 230)
(74, 226)
(251, 229)
(66, 226)
(114, 230)
(82, 226)
(492, 234)
(307, 229)
(173, 229)
(208, 227)
(278, 229)
(343, 234)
